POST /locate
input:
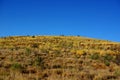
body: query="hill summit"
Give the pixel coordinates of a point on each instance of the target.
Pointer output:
(58, 58)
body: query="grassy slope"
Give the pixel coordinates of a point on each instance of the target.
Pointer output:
(58, 58)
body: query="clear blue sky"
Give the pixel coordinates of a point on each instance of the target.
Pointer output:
(91, 18)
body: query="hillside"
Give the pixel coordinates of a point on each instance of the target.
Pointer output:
(58, 58)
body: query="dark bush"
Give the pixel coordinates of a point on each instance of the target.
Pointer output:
(35, 45)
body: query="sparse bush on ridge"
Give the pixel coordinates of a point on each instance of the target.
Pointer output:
(33, 36)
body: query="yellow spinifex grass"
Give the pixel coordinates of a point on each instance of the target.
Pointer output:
(58, 58)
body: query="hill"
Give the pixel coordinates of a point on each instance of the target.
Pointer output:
(58, 58)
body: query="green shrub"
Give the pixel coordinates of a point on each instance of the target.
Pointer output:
(16, 66)
(108, 57)
(94, 56)
(107, 63)
(28, 51)
(39, 62)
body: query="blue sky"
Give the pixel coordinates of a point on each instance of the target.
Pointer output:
(91, 18)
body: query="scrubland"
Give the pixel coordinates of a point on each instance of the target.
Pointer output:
(58, 58)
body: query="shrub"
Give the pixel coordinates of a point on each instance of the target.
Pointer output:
(43, 50)
(39, 62)
(62, 35)
(117, 60)
(11, 58)
(16, 66)
(94, 56)
(57, 51)
(117, 72)
(78, 35)
(57, 66)
(33, 36)
(11, 49)
(108, 57)
(107, 63)
(28, 51)
(35, 45)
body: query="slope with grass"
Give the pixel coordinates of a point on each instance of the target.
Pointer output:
(58, 58)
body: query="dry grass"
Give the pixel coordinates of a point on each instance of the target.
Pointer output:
(58, 58)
